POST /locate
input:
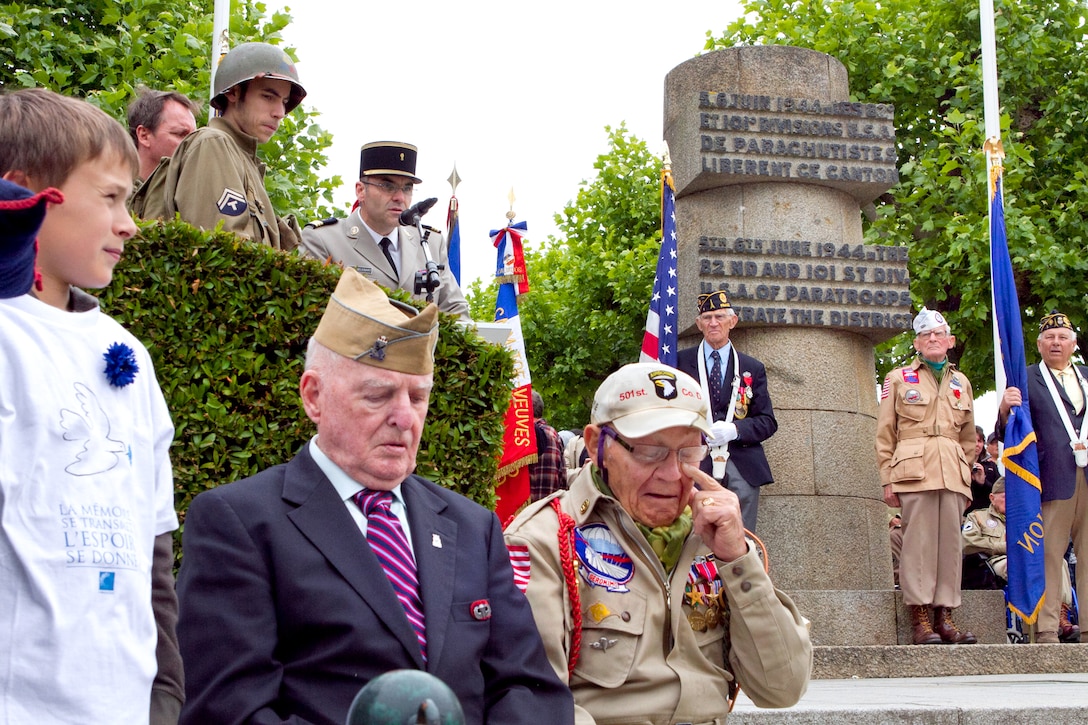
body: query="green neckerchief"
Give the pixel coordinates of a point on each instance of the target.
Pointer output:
(666, 541)
(937, 368)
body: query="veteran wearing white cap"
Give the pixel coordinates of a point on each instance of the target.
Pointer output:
(925, 443)
(301, 584)
(652, 604)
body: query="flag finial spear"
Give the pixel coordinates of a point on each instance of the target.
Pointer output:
(510, 215)
(454, 179)
(665, 157)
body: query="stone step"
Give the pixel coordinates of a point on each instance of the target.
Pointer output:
(843, 663)
(1018, 699)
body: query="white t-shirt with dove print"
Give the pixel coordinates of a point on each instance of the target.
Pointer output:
(85, 486)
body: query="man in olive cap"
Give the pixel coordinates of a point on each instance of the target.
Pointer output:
(373, 239)
(214, 175)
(306, 581)
(742, 416)
(925, 436)
(1056, 400)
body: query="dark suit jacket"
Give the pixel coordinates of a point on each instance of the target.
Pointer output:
(1057, 469)
(347, 242)
(285, 613)
(746, 451)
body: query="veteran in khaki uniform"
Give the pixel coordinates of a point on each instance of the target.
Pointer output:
(372, 239)
(652, 604)
(925, 441)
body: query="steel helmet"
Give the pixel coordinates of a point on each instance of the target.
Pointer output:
(255, 60)
(399, 697)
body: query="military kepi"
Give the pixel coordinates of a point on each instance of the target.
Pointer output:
(1055, 320)
(388, 158)
(362, 323)
(714, 301)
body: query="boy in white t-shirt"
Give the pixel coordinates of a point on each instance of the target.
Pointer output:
(87, 606)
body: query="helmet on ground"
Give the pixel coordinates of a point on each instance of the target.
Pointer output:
(255, 60)
(406, 697)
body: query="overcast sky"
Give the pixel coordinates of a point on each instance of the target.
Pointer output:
(517, 94)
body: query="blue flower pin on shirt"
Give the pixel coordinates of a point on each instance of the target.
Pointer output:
(121, 367)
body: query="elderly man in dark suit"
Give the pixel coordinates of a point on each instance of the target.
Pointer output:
(1056, 399)
(743, 417)
(373, 240)
(304, 582)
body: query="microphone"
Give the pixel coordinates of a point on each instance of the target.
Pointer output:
(410, 216)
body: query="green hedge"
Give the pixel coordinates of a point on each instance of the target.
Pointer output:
(227, 322)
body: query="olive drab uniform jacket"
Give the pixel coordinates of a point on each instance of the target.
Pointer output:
(214, 176)
(925, 431)
(652, 651)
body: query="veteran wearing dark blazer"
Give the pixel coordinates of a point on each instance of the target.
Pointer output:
(744, 425)
(287, 607)
(386, 185)
(1057, 396)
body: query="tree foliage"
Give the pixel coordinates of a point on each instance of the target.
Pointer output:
(589, 290)
(925, 57)
(104, 49)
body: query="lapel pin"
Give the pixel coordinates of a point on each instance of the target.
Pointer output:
(481, 610)
(436, 541)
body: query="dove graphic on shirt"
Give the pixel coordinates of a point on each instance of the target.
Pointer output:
(100, 453)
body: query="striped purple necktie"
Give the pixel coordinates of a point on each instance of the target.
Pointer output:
(390, 545)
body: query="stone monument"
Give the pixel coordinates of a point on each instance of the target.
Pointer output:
(773, 166)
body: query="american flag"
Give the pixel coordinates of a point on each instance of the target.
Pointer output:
(659, 342)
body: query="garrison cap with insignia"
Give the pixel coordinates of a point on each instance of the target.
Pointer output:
(362, 323)
(927, 320)
(1055, 320)
(388, 158)
(714, 301)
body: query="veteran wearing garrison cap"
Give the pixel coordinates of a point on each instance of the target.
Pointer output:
(372, 239)
(311, 578)
(741, 410)
(1056, 397)
(925, 443)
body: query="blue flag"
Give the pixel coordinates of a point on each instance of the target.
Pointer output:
(453, 224)
(1023, 517)
(659, 341)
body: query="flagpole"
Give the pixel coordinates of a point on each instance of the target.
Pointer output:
(989, 70)
(220, 43)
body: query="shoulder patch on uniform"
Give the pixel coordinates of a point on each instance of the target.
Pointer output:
(322, 223)
(231, 203)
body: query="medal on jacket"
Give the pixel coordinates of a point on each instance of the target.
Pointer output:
(744, 395)
(701, 592)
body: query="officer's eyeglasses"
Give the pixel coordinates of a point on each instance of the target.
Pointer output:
(654, 455)
(392, 188)
(939, 334)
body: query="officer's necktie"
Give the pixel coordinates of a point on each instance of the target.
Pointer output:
(390, 545)
(1069, 381)
(715, 382)
(385, 244)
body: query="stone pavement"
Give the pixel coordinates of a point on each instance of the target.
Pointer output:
(1035, 699)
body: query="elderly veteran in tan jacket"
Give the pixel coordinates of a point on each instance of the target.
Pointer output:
(652, 604)
(925, 443)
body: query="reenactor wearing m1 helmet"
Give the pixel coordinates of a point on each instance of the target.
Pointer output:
(214, 175)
